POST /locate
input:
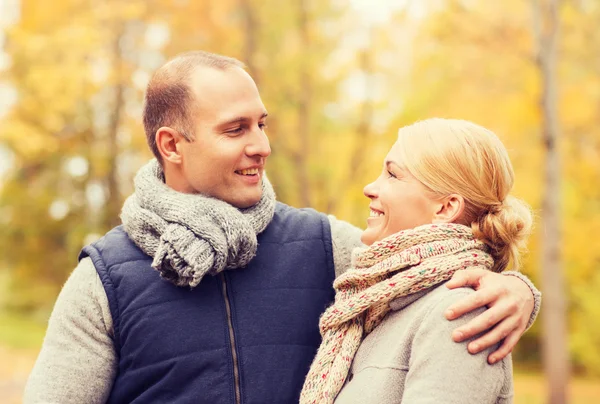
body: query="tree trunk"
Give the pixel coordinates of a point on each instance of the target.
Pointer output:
(301, 155)
(114, 202)
(554, 337)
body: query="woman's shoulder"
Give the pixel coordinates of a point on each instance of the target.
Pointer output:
(432, 301)
(439, 299)
(440, 295)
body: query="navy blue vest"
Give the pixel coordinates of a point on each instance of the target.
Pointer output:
(250, 332)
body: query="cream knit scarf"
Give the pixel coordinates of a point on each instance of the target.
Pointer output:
(402, 264)
(191, 235)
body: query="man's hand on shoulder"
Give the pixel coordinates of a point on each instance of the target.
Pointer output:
(510, 303)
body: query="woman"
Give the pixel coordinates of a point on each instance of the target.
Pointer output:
(441, 204)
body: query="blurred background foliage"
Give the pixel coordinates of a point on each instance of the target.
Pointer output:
(338, 78)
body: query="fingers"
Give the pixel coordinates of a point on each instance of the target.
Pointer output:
(475, 300)
(507, 346)
(483, 322)
(497, 334)
(467, 277)
(506, 318)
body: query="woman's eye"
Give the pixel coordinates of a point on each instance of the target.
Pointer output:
(391, 174)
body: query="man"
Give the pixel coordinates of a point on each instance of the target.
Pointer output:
(245, 278)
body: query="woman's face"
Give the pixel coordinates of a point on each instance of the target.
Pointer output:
(398, 201)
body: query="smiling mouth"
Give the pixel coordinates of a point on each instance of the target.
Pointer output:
(249, 171)
(375, 213)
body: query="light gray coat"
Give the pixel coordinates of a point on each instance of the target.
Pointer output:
(410, 359)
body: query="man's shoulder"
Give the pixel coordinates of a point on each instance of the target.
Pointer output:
(302, 217)
(117, 233)
(282, 208)
(114, 247)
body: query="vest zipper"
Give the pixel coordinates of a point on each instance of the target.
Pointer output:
(236, 370)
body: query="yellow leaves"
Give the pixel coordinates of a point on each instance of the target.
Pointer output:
(125, 10)
(576, 109)
(27, 141)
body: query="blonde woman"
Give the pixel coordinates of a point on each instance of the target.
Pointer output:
(440, 205)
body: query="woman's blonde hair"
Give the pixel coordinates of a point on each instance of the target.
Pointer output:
(451, 156)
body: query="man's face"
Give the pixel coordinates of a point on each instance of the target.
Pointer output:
(227, 157)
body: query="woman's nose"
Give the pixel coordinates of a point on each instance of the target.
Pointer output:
(370, 190)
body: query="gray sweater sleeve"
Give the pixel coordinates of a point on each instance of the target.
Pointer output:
(77, 362)
(443, 371)
(537, 296)
(345, 238)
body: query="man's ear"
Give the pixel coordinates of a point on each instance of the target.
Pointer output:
(167, 141)
(449, 210)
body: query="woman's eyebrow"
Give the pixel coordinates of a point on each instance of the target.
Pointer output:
(390, 162)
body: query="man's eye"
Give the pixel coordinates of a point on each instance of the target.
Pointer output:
(262, 125)
(235, 131)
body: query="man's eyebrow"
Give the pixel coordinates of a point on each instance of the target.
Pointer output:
(241, 119)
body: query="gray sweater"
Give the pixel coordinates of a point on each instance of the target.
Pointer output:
(78, 362)
(410, 359)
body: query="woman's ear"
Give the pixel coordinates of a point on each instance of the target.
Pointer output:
(167, 141)
(449, 210)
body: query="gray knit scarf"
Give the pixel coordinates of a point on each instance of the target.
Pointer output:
(190, 235)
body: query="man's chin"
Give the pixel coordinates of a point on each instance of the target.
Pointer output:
(245, 202)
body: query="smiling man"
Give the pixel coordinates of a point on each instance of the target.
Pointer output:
(223, 150)
(211, 290)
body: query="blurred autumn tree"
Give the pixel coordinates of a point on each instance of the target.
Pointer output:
(72, 66)
(337, 80)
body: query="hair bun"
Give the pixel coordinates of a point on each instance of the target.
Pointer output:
(505, 228)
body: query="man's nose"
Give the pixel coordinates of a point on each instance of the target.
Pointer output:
(259, 145)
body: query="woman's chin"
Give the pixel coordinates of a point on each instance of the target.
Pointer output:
(367, 237)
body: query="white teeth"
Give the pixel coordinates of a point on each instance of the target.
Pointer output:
(250, 171)
(374, 213)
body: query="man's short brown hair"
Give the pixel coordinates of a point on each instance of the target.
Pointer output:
(168, 100)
